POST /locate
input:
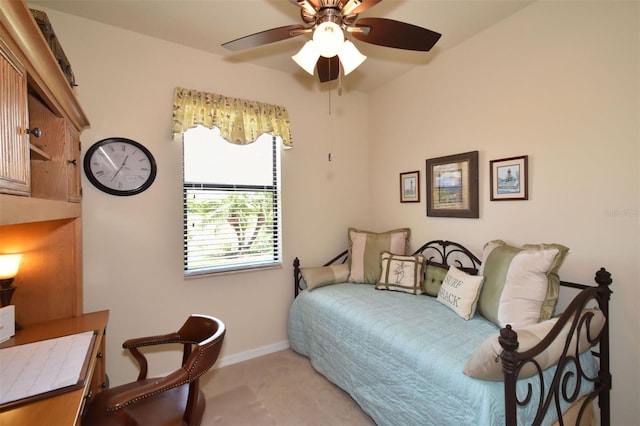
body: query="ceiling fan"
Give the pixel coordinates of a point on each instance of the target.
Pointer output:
(328, 20)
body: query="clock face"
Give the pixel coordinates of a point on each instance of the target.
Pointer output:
(120, 166)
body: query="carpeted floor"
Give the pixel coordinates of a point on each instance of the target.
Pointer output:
(279, 389)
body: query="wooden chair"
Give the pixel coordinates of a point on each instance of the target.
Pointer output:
(174, 399)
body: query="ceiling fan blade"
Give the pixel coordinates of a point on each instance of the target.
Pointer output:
(328, 68)
(366, 4)
(396, 34)
(265, 37)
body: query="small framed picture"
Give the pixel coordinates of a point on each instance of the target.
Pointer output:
(509, 179)
(452, 186)
(410, 187)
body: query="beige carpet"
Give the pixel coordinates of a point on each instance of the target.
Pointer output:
(279, 389)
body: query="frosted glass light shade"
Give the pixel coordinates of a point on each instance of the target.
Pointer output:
(307, 57)
(350, 57)
(9, 265)
(329, 39)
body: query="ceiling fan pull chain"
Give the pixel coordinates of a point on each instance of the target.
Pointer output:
(330, 156)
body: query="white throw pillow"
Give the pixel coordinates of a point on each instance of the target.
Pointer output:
(484, 363)
(460, 291)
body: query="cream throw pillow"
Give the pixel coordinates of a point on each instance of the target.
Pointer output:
(521, 284)
(402, 273)
(320, 276)
(459, 291)
(365, 249)
(484, 363)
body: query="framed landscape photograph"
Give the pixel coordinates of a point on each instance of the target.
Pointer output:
(410, 187)
(509, 178)
(452, 186)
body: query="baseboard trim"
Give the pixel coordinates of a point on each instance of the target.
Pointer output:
(253, 353)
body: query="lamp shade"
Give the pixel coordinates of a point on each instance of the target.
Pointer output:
(307, 57)
(9, 265)
(350, 57)
(329, 39)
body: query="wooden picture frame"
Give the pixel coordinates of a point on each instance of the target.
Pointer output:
(410, 187)
(452, 186)
(509, 178)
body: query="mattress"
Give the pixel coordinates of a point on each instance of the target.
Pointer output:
(401, 356)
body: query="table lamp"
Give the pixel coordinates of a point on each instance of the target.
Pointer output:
(9, 265)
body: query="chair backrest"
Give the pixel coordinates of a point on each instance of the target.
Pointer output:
(207, 334)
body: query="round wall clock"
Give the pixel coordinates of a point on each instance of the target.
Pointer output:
(120, 166)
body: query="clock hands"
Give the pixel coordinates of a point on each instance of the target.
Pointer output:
(118, 171)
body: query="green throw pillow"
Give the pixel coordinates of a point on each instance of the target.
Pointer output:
(434, 276)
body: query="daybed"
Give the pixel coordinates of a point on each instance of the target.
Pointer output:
(408, 358)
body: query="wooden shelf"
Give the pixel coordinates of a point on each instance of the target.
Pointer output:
(38, 154)
(16, 209)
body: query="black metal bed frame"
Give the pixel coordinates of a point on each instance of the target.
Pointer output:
(565, 382)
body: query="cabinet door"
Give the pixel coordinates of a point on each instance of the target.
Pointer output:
(14, 145)
(73, 165)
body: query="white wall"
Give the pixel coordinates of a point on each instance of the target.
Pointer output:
(133, 245)
(558, 82)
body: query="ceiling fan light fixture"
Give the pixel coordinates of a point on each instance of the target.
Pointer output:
(350, 57)
(306, 6)
(307, 57)
(328, 38)
(350, 6)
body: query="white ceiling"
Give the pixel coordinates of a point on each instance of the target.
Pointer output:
(206, 24)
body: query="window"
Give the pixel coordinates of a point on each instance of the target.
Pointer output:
(231, 203)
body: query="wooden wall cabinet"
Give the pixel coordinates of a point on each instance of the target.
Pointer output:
(55, 155)
(35, 95)
(40, 193)
(14, 147)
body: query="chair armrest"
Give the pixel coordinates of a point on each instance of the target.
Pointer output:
(134, 344)
(122, 399)
(152, 340)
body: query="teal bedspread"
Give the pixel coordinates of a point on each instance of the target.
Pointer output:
(401, 356)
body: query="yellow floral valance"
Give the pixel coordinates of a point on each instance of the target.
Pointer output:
(240, 121)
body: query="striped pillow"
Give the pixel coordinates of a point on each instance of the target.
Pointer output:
(521, 284)
(319, 276)
(365, 249)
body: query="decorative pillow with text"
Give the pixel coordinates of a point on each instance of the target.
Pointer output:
(460, 291)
